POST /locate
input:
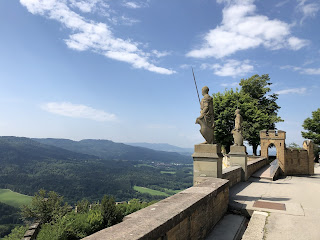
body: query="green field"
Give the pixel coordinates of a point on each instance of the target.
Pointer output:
(150, 191)
(168, 172)
(14, 199)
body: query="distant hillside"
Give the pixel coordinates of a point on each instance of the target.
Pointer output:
(164, 147)
(23, 150)
(109, 150)
(28, 165)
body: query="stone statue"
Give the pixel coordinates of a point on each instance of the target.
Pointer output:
(206, 118)
(237, 131)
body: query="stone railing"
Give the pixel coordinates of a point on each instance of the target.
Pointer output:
(32, 232)
(255, 165)
(190, 214)
(233, 174)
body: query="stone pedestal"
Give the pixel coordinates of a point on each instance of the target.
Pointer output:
(207, 162)
(238, 157)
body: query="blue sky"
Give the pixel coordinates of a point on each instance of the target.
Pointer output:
(121, 69)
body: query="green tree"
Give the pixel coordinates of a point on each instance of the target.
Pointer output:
(16, 233)
(111, 214)
(312, 125)
(224, 105)
(258, 110)
(45, 207)
(294, 146)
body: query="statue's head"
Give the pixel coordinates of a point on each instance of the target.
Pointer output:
(205, 90)
(237, 111)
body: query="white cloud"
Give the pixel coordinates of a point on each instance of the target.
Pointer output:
(185, 66)
(292, 90)
(234, 84)
(84, 5)
(308, 71)
(132, 5)
(242, 28)
(77, 111)
(91, 35)
(159, 54)
(309, 10)
(231, 68)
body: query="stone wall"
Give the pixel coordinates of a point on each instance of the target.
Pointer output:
(233, 174)
(297, 161)
(32, 232)
(255, 165)
(190, 214)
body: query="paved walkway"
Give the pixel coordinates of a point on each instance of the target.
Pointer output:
(292, 204)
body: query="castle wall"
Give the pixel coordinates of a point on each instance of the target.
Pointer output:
(297, 161)
(277, 138)
(190, 214)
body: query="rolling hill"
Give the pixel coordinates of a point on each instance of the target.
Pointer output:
(109, 150)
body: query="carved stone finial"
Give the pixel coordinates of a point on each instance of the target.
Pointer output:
(206, 118)
(237, 131)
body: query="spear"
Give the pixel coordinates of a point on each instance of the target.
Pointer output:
(195, 83)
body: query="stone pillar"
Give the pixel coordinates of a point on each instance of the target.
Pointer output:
(309, 146)
(238, 157)
(207, 162)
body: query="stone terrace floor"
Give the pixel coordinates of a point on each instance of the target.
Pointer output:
(300, 196)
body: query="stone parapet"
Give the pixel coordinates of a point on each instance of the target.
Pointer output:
(207, 162)
(238, 157)
(255, 165)
(233, 174)
(190, 214)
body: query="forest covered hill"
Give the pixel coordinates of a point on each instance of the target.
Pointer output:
(110, 150)
(164, 147)
(28, 165)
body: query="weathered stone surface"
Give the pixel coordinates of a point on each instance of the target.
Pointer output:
(237, 131)
(238, 157)
(233, 174)
(190, 214)
(207, 162)
(206, 118)
(255, 165)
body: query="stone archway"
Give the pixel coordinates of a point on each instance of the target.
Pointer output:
(277, 138)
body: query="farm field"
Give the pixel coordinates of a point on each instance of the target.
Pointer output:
(14, 199)
(150, 191)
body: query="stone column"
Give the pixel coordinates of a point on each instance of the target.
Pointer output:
(238, 157)
(207, 162)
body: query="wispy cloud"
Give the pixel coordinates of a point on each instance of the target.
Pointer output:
(234, 84)
(309, 9)
(134, 4)
(308, 71)
(159, 54)
(90, 35)
(231, 68)
(280, 4)
(77, 111)
(242, 28)
(292, 91)
(85, 5)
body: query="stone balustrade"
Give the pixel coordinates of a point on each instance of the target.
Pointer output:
(190, 214)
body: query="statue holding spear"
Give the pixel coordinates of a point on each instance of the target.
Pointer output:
(206, 118)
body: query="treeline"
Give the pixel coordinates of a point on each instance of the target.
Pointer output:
(91, 180)
(9, 218)
(60, 221)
